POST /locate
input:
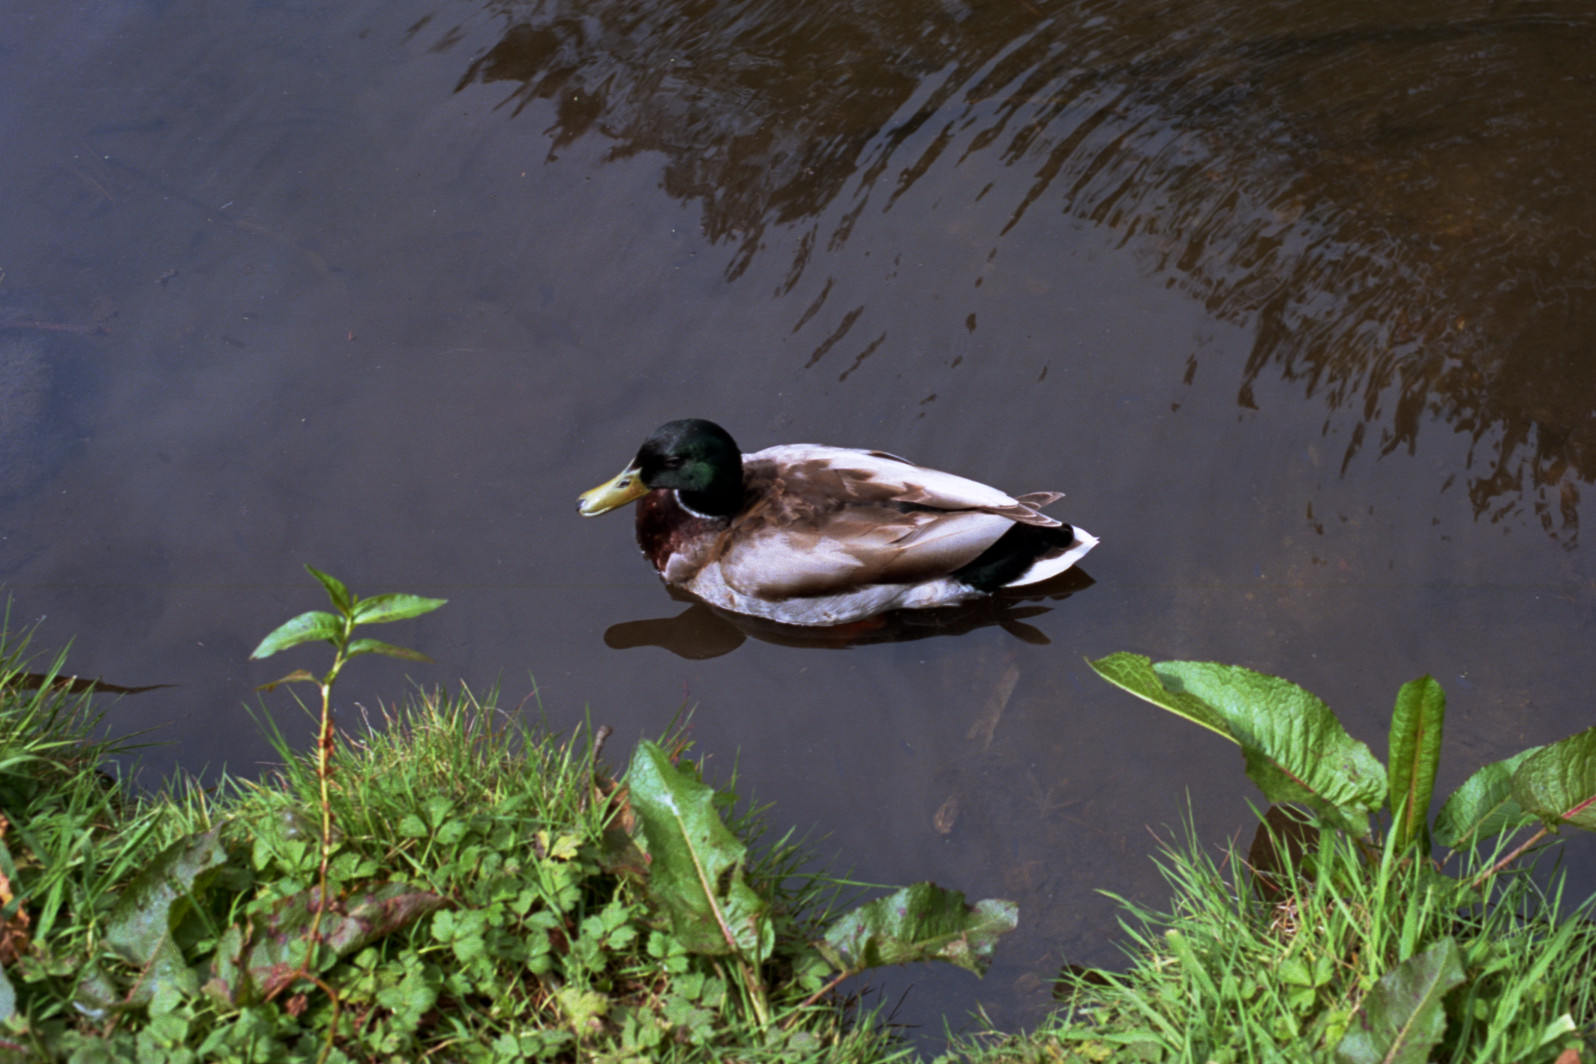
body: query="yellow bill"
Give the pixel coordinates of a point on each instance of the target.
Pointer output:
(625, 488)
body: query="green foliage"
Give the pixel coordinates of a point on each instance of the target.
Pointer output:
(1361, 960)
(1428, 959)
(1416, 722)
(696, 872)
(484, 899)
(337, 630)
(1296, 751)
(1294, 748)
(1557, 783)
(1483, 807)
(1402, 1020)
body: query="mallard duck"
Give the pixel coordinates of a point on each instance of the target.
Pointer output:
(809, 535)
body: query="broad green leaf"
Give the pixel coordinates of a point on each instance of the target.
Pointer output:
(696, 864)
(377, 646)
(1557, 783)
(1401, 1019)
(8, 998)
(1415, 751)
(1294, 747)
(380, 609)
(341, 598)
(139, 929)
(141, 918)
(306, 628)
(1483, 806)
(922, 922)
(1135, 674)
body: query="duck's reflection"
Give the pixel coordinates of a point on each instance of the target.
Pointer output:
(701, 631)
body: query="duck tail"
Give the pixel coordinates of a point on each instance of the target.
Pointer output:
(1026, 554)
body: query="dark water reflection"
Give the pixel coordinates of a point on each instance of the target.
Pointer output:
(1391, 202)
(1291, 299)
(702, 631)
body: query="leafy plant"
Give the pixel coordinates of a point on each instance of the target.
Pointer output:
(696, 874)
(484, 893)
(1296, 751)
(1350, 959)
(337, 629)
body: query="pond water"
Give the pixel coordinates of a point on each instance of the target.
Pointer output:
(1293, 300)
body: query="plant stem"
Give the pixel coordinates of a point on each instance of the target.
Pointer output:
(324, 743)
(756, 992)
(324, 749)
(1510, 858)
(823, 991)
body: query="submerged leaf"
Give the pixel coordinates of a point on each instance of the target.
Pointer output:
(922, 922)
(379, 609)
(1483, 806)
(1401, 1019)
(297, 676)
(76, 685)
(306, 628)
(696, 865)
(1415, 751)
(1557, 783)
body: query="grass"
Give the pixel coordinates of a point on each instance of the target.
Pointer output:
(1244, 974)
(478, 917)
(485, 912)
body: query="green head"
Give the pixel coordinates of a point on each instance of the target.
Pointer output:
(697, 458)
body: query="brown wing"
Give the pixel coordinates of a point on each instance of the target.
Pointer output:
(810, 475)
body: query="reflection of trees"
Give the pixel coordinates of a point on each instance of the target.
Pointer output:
(1402, 208)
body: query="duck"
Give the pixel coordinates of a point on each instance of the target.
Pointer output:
(815, 536)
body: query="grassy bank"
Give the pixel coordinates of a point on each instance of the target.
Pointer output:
(497, 894)
(478, 912)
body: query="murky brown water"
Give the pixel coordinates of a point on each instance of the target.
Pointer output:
(1294, 300)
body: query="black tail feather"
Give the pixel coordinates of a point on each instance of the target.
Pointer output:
(1014, 552)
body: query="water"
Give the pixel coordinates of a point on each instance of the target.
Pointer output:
(1292, 300)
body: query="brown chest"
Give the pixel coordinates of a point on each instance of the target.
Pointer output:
(665, 529)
